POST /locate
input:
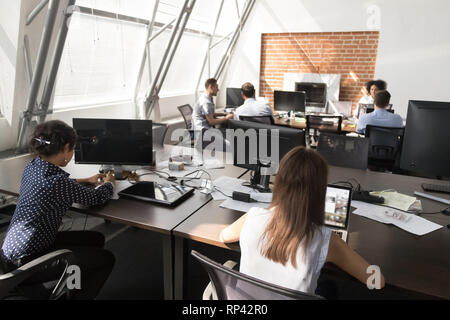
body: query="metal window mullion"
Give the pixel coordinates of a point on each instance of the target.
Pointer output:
(187, 14)
(207, 55)
(233, 41)
(56, 60)
(151, 92)
(145, 55)
(39, 70)
(36, 11)
(164, 28)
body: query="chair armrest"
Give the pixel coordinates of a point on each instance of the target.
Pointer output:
(11, 280)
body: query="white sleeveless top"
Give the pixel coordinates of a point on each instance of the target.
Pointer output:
(253, 263)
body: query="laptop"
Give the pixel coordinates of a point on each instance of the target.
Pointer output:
(369, 107)
(162, 193)
(337, 209)
(340, 107)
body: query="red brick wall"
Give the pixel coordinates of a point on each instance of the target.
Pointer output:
(350, 54)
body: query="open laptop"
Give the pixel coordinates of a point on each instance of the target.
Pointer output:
(162, 193)
(337, 209)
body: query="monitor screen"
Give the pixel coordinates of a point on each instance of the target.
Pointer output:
(234, 97)
(426, 147)
(316, 93)
(337, 206)
(258, 137)
(108, 141)
(289, 101)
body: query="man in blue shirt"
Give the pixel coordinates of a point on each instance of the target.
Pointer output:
(380, 116)
(251, 106)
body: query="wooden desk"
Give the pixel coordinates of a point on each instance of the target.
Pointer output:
(149, 216)
(346, 127)
(419, 264)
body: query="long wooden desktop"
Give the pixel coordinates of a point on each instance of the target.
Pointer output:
(347, 127)
(418, 264)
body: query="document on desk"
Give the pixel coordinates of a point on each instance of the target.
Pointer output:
(242, 206)
(396, 200)
(406, 221)
(227, 185)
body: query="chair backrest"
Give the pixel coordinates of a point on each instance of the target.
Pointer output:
(186, 111)
(344, 151)
(259, 119)
(233, 285)
(159, 131)
(385, 143)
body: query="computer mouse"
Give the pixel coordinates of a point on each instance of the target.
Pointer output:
(172, 178)
(446, 211)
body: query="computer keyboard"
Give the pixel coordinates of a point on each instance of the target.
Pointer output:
(436, 187)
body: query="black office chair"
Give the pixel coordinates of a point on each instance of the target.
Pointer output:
(385, 147)
(159, 131)
(316, 124)
(12, 285)
(259, 119)
(229, 284)
(344, 151)
(187, 111)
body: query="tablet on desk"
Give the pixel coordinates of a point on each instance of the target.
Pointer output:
(166, 194)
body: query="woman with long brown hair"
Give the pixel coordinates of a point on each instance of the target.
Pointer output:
(288, 243)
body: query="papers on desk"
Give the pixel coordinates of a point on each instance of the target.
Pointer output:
(242, 206)
(406, 221)
(396, 200)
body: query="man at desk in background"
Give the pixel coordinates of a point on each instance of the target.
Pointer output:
(380, 116)
(204, 116)
(252, 107)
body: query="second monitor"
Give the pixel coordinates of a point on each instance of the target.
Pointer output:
(234, 98)
(289, 101)
(249, 153)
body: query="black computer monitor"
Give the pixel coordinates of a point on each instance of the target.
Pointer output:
(289, 101)
(234, 98)
(316, 93)
(113, 142)
(247, 152)
(426, 144)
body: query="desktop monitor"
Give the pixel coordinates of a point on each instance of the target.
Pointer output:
(426, 147)
(340, 107)
(249, 152)
(316, 93)
(113, 142)
(289, 101)
(234, 98)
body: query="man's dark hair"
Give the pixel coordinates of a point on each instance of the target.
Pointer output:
(380, 84)
(248, 90)
(49, 138)
(382, 98)
(210, 82)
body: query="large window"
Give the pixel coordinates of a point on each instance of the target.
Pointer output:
(102, 55)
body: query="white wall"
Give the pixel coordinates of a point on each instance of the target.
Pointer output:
(9, 33)
(414, 48)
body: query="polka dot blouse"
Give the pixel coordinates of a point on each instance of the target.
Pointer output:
(46, 193)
